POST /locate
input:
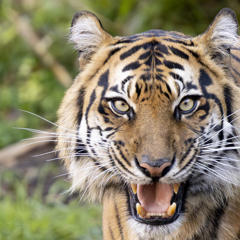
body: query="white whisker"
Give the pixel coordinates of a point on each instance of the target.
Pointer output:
(46, 120)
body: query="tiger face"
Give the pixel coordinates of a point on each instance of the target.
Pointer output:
(154, 116)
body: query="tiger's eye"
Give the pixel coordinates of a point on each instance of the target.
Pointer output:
(187, 105)
(120, 106)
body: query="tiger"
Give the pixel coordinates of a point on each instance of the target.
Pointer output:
(150, 129)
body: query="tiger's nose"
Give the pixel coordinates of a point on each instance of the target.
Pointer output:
(155, 168)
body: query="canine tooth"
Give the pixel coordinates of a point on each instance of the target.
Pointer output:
(176, 187)
(140, 210)
(134, 188)
(172, 209)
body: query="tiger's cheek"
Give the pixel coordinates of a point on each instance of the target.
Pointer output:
(129, 137)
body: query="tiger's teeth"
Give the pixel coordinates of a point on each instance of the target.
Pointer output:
(140, 210)
(172, 209)
(163, 215)
(176, 187)
(134, 188)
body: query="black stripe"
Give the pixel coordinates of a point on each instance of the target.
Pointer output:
(138, 89)
(103, 82)
(107, 120)
(132, 66)
(119, 162)
(235, 57)
(123, 156)
(179, 41)
(196, 237)
(186, 153)
(172, 65)
(160, 77)
(101, 109)
(228, 101)
(92, 99)
(190, 86)
(194, 54)
(179, 53)
(111, 159)
(188, 163)
(235, 71)
(130, 52)
(151, 45)
(118, 221)
(96, 163)
(79, 143)
(168, 88)
(235, 48)
(214, 220)
(157, 61)
(80, 101)
(149, 61)
(114, 89)
(158, 54)
(128, 78)
(100, 167)
(176, 76)
(205, 81)
(145, 76)
(111, 54)
(211, 227)
(162, 48)
(166, 95)
(80, 148)
(145, 55)
(111, 232)
(125, 41)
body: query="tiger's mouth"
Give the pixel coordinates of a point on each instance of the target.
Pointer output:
(156, 203)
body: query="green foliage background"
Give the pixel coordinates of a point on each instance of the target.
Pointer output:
(27, 84)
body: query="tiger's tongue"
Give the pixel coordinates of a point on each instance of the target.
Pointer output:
(156, 197)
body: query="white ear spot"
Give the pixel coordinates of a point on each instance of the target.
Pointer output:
(87, 33)
(222, 33)
(225, 31)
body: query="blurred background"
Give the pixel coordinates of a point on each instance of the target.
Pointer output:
(37, 64)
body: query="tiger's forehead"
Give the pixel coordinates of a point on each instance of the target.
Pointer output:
(151, 63)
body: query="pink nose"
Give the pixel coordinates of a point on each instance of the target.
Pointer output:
(155, 171)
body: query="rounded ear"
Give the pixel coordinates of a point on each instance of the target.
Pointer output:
(221, 36)
(87, 35)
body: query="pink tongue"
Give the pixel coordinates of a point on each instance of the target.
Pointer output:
(156, 197)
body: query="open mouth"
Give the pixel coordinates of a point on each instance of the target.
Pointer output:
(156, 203)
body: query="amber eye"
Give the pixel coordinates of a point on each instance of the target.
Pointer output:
(187, 105)
(119, 106)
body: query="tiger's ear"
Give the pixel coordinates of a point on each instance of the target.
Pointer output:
(87, 35)
(221, 36)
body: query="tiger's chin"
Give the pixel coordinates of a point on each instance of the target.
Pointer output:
(159, 232)
(157, 203)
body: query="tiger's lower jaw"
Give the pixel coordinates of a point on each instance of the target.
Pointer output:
(161, 215)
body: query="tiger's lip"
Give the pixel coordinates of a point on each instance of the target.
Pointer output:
(141, 215)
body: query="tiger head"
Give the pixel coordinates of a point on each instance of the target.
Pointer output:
(155, 116)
